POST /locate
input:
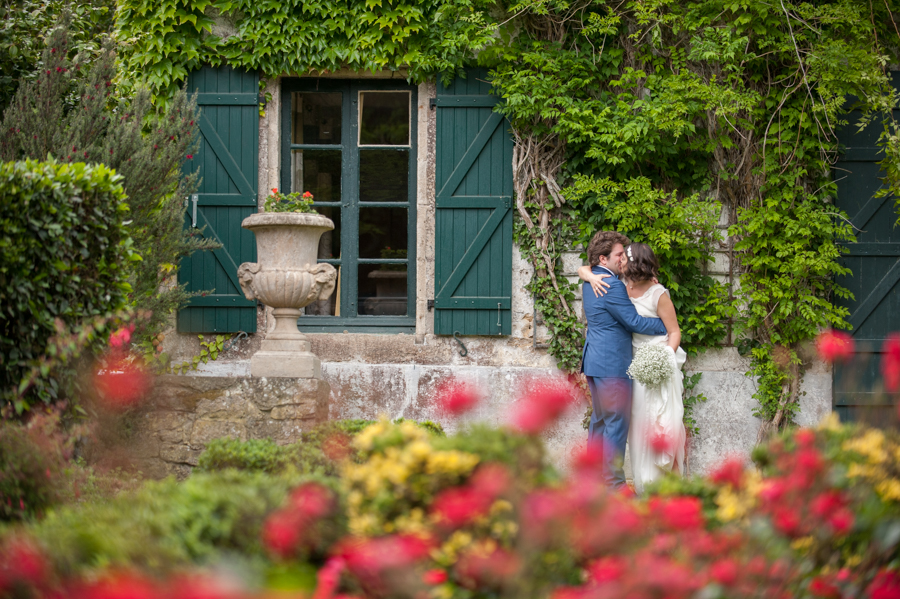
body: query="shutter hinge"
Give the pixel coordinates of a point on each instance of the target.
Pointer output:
(262, 98)
(432, 103)
(430, 305)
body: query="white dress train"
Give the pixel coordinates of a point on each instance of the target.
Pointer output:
(656, 413)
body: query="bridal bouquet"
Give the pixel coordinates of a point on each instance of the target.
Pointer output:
(651, 365)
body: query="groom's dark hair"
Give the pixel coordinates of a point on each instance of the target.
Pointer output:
(602, 245)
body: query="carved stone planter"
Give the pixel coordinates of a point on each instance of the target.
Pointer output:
(287, 278)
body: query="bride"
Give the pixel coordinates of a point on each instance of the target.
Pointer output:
(656, 435)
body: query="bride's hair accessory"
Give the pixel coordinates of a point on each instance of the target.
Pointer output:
(628, 252)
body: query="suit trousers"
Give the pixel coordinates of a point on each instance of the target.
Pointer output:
(608, 430)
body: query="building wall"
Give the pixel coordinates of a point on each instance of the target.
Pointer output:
(398, 374)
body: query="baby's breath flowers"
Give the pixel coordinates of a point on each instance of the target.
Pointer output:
(651, 365)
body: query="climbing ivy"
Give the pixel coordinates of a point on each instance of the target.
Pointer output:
(165, 39)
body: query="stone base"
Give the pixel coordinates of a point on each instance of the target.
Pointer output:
(285, 358)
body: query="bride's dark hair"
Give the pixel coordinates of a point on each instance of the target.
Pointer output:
(642, 263)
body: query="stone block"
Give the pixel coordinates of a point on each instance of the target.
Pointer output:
(268, 394)
(271, 364)
(181, 454)
(205, 431)
(170, 427)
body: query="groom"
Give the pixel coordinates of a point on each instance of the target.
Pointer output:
(607, 352)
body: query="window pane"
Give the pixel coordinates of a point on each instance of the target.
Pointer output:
(384, 175)
(315, 118)
(382, 289)
(318, 172)
(384, 118)
(382, 232)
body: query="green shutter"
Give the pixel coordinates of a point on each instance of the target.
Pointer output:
(875, 279)
(473, 220)
(228, 163)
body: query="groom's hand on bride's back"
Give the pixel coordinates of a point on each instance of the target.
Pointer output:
(595, 281)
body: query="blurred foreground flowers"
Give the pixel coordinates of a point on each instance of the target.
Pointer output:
(408, 513)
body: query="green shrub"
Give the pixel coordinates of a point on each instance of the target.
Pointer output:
(64, 256)
(166, 525)
(308, 455)
(32, 460)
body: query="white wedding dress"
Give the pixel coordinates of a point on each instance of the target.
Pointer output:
(656, 412)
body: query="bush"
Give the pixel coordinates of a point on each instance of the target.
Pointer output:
(32, 459)
(64, 257)
(318, 450)
(165, 525)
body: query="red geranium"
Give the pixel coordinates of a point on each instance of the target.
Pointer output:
(730, 472)
(543, 405)
(457, 398)
(890, 362)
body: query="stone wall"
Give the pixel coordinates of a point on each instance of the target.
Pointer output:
(184, 413)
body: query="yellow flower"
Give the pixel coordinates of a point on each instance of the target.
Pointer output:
(450, 462)
(802, 544)
(889, 489)
(832, 423)
(365, 439)
(500, 506)
(870, 445)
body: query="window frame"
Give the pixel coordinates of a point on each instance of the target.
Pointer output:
(349, 204)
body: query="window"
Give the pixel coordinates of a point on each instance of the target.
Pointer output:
(352, 145)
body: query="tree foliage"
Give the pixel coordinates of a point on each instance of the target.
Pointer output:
(78, 117)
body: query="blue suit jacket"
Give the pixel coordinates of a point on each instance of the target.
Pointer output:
(611, 321)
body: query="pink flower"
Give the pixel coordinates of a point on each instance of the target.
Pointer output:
(543, 405)
(435, 577)
(328, 578)
(458, 506)
(312, 500)
(587, 459)
(661, 443)
(724, 571)
(121, 336)
(730, 472)
(679, 513)
(606, 569)
(834, 346)
(890, 362)
(281, 533)
(457, 398)
(477, 569)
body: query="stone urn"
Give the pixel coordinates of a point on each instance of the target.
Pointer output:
(287, 278)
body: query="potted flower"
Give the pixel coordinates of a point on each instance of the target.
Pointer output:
(287, 277)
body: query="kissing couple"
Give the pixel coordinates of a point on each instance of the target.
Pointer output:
(627, 309)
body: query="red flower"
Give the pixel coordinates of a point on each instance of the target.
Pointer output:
(274, 191)
(805, 438)
(121, 337)
(730, 472)
(122, 384)
(435, 577)
(588, 459)
(787, 521)
(841, 521)
(457, 506)
(885, 586)
(606, 569)
(724, 571)
(307, 195)
(190, 156)
(820, 587)
(457, 397)
(119, 586)
(281, 533)
(679, 513)
(328, 578)
(834, 345)
(827, 503)
(492, 480)
(476, 568)
(312, 500)
(890, 362)
(21, 562)
(543, 405)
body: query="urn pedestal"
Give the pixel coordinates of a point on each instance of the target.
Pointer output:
(287, 278)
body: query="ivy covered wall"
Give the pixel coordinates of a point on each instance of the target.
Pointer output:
(650, 117)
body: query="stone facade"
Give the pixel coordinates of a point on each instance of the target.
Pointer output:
(397, 374)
